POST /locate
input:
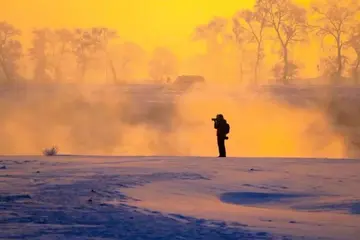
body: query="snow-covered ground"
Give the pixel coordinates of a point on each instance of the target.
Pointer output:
(95, 197)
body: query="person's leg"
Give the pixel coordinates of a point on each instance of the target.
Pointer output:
(221, 146)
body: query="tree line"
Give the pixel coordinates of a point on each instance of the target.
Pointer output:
(286, 24)
(333, 22)
(51, 49)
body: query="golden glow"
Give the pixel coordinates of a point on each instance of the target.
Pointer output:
(148, 23)
(154, 23)
(169, 23)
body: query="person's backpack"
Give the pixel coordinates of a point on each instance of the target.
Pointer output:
(227, 128)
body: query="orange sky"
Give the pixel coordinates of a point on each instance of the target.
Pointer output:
(147, 22)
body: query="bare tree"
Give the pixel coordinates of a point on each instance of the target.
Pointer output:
(334, 19)
(84, 46)
(329, 63)
(293, 71)
(102, 36)
(239, 38)
(163, 64)
(48, 49)
(254, 23)
(39, 52)
(10, 50)
(289, 23)
(354, 42)
(62, 45)
(130, 56)
(211, 33)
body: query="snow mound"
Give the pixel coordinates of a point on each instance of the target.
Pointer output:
(13, 198)
(255, 198)
(351, 207)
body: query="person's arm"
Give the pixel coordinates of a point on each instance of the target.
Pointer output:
(216, 124)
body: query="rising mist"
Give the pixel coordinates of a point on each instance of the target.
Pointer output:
(87, 90)
(150, 120)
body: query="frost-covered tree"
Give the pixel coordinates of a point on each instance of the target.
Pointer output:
(252, 23)
(334, 20)
(10, 50)
(289, 23)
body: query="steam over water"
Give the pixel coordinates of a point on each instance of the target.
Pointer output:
(157, 120)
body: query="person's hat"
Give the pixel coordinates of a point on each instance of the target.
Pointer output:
(219, 116)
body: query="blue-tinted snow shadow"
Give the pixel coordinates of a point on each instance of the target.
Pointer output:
(257, 198)
(64, 211)
(110, 222)
(355, 208)
(292, 200)
(350, 207)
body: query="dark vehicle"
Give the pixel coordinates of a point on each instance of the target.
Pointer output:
(186, 82)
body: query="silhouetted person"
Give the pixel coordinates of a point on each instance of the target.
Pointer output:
(222, 129)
